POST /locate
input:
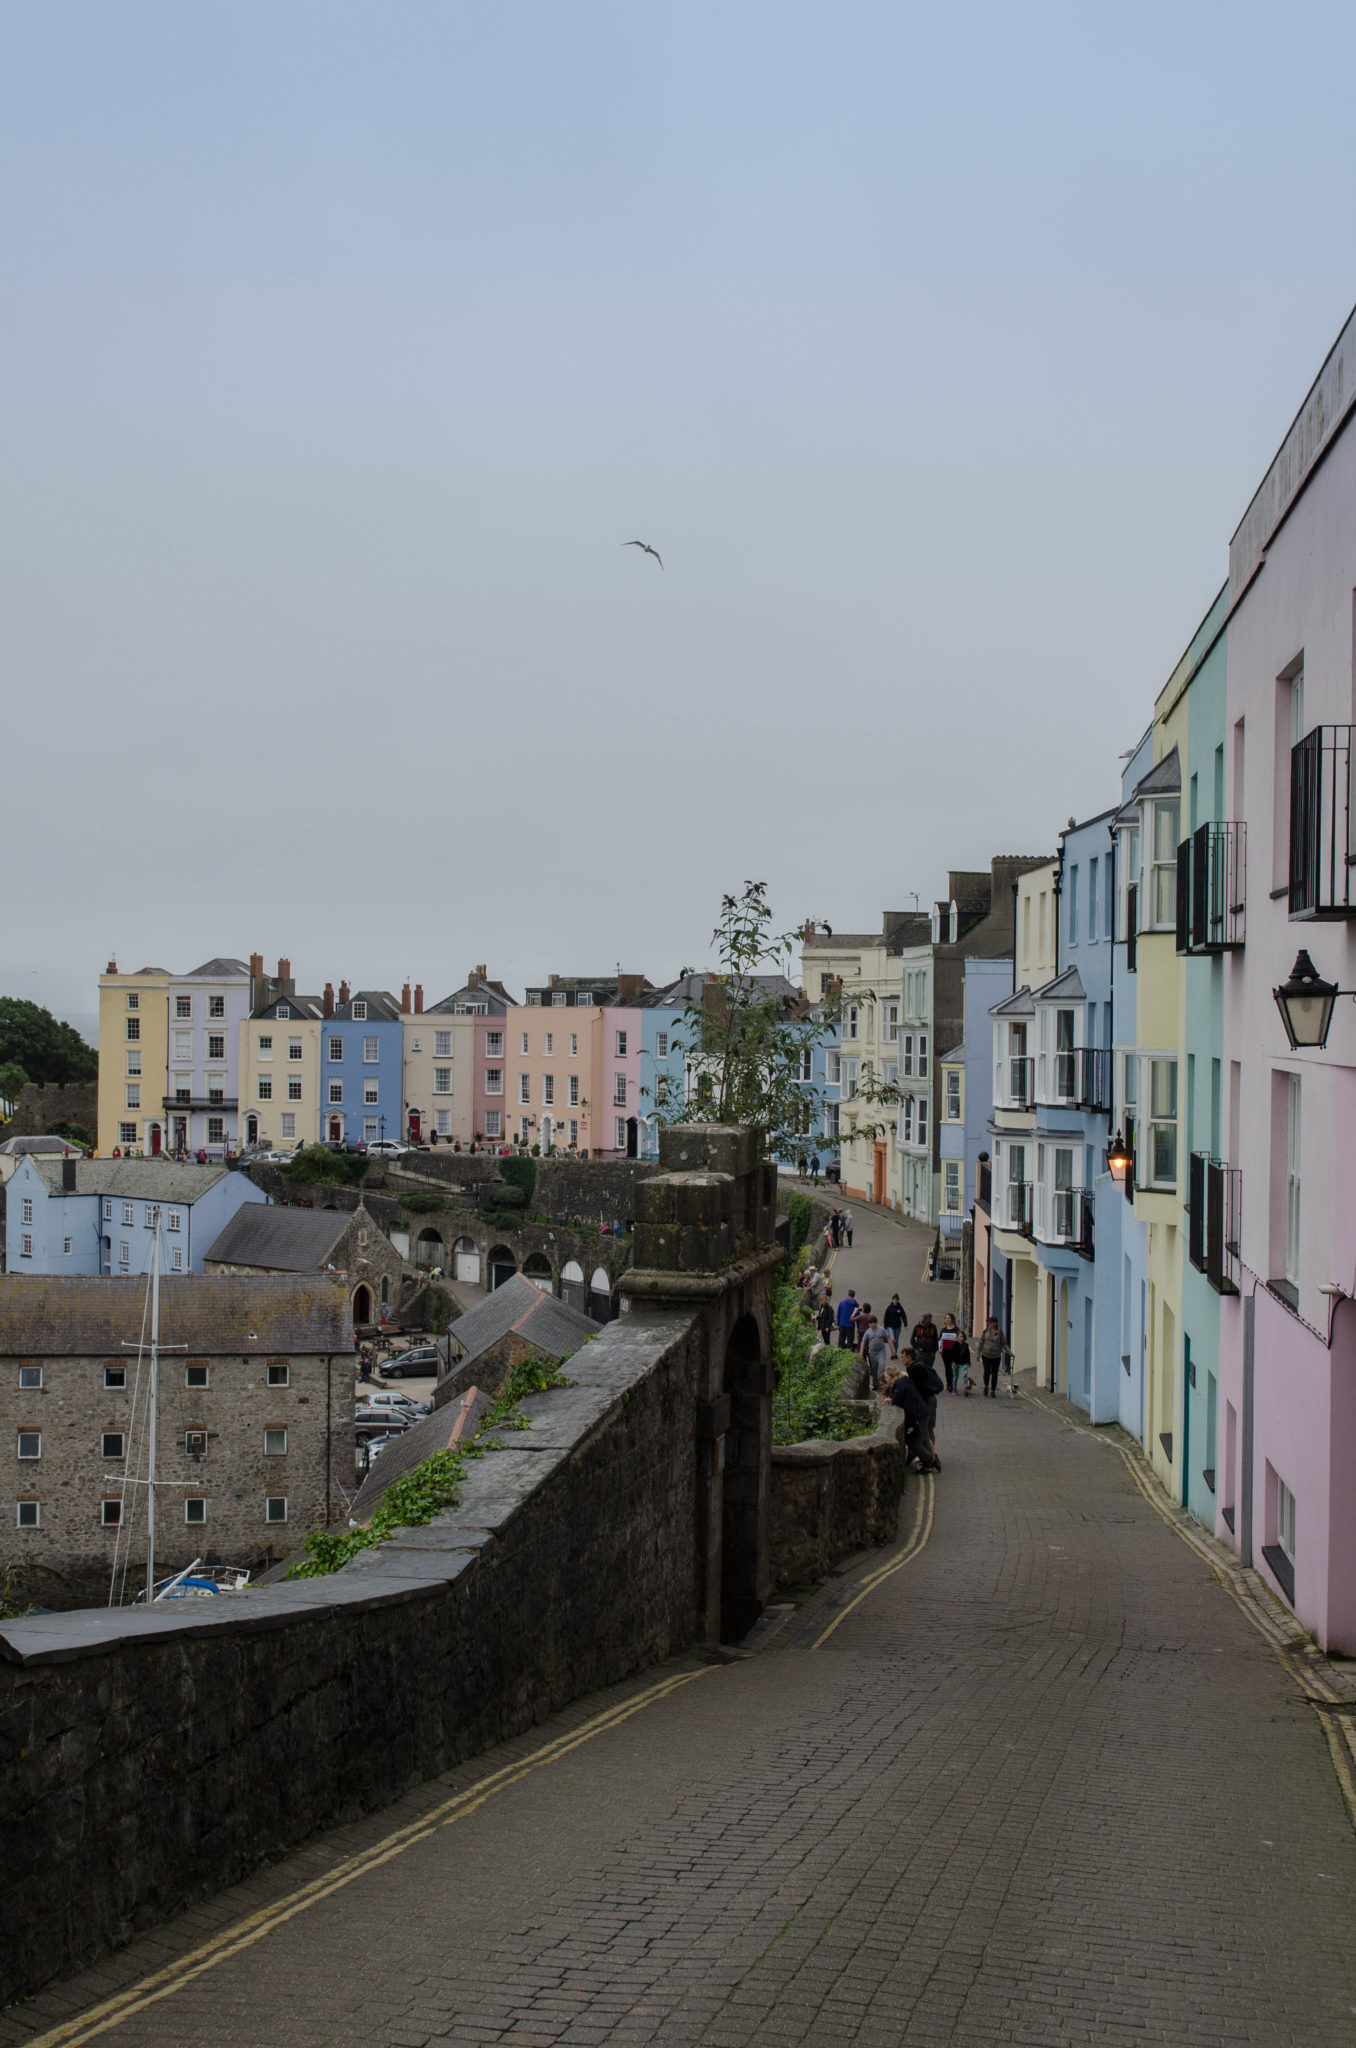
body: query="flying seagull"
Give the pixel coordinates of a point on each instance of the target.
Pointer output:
(645, 545)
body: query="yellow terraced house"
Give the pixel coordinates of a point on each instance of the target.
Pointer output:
(133, 1059)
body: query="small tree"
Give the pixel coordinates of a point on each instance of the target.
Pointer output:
(13, 1081)
(749, 1036)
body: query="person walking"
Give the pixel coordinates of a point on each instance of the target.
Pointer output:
(917, 1446)
(847, 1227)
(925, 1339)
(824, 1321)
(928, 1382)
(847, 1309)
(948, 1343)
(894, 1319)
(875, 1349)
(859, 1323)
(814, 1169)
(991, 1349)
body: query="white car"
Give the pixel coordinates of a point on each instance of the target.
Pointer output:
(387, 1148)
(398, 1404)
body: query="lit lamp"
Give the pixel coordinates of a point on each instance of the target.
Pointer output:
(1119, 1158)
(1305, 1003)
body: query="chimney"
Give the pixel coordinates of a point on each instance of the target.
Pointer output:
(256, 966)
(405, 997)
(629, 987)
(418, 998)
(68, 1167)
(807, 931)
(327, 1001)
(285, 972)
(112, 967)
(551, 980)
(343, 991)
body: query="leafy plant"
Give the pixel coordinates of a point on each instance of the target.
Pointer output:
(13, 1081)
(318, 1163)
(12, 1609)
(407, 1503)
(808, 1402)
(799, 1209)
(420, 1204)
(519, 1173)
(46, 1049)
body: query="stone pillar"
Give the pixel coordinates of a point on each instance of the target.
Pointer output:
(704, 1240)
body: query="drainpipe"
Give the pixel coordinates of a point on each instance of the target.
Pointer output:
(1245, 1489)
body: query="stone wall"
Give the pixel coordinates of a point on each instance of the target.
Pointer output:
(41, 1106)
(830, 1500)
(596, 1190)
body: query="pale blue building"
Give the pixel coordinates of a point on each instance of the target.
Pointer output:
(362, 1068)
(99, 1215)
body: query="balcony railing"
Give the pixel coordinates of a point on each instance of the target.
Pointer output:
(1092, 1077)
(1214, 1204)
(1320, 824)
(213, 1101)
(1211, 887)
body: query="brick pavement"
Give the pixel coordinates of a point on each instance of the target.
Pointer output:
(1043, 1787)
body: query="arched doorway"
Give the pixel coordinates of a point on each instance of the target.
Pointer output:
(548, 1132)
(744, 1496)
(503, 1266)
(572, 1288)
(362, 1304)
(251, 1130)
(155, 1141)
(416, 1125)
(600, 1295)
(336, 1129)
(428, 1249)
(632, 1138)
(466, 1261)
(537, 1269)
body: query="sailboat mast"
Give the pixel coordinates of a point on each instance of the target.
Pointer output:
(151, 1407)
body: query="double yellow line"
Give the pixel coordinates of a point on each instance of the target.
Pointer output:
(232, 1940)
(922, 1529)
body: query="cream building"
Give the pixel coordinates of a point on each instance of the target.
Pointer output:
(133, 1059)
(1013, 1130)
(439, 1103)
(280, 1072)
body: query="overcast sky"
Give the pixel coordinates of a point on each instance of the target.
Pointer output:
(938, 351)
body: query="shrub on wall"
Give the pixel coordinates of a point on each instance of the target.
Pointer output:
(799, 1209)
(519, 1173)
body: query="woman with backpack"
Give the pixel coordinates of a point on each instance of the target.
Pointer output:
(991, 1349)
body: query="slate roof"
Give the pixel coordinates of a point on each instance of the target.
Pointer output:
(221, 969)
(491, 992)
(1019, 1005)
(45, 1316)
(1066, 987)
(382, 1007)
(301, 1007)
(1163, 779)
(157, 1180)
(436, 1432)
(285, 1240)
(56, 1148)
(546, 1321)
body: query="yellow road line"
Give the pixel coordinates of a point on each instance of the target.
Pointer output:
(915, 1543)
(174, 1976)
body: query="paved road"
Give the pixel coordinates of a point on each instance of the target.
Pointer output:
(1043, 1786)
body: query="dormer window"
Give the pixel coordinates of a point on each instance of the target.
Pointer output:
(282, 1011)
(359, 1013)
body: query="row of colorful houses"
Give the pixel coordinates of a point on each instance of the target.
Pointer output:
(1153, 1119)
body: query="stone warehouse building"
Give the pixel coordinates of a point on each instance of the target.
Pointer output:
(255, 1425)
(350, 1245)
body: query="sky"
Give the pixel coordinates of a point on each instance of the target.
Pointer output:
(938, 351)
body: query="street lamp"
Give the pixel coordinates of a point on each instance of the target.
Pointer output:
(1119, 1158)
(1306, 1004)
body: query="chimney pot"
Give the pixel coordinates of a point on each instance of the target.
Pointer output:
(284, 970)
(257, 966)
(343, 991)
(473, 978)
(327, 1001)
(112, 967)
(418, 998)
(405, 997)
(68, 1176)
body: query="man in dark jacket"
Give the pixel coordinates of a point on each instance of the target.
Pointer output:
(917, 1446)
(927, 1381)
(847, 1309)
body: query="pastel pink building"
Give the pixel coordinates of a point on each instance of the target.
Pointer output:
(1285, 1492)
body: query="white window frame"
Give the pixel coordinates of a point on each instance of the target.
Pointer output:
(192, 1501)
(289, 1123)
(494, 1080)
(371, 1093)
(216, 1006)
(1161, 868)
(336, 1050)
(442, 1045)
(548, 1091)
(442, 1080)
(951, 1109)
(494, 1045)
(951, 1187)
(33, 1438)
(275, 1507)
(573, 1091)
(371, 1051)
(1157, 1124)
(336, 1094)
(295, 1090)
(265, 1087)
(1293, 1105)
(493, 1123)
(28, 1514)
(266, 1046)
(358, 1012)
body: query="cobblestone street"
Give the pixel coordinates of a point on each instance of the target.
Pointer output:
(1041, 1786)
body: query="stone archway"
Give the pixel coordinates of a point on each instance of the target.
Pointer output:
(362, 1304)
(572, 1288)
(502, 1265)
(600, 1295)
(428, 1249)
(537, 1268)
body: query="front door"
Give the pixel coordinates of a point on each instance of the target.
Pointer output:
(878, 1172)
(336, 1129)
(155, 1141)
(415, 1126)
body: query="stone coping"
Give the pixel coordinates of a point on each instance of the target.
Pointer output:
(818, 1450)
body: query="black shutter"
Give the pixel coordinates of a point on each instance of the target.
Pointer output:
(1184, 896)
(1131, 926)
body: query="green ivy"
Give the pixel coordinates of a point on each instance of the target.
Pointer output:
(808, 1403)
(799, 1209)
(420, 1204)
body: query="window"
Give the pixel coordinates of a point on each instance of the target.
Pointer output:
(1292, 1184)
(266, 1048)
(922, 1055)
(890, 1022)
(550, 1043)
(370, 1131)
(621, 1045)
(493, 1123)
(133, 1000)
(574, 1131)
(548, 1089)
(133, 1029)
(921, 1103)
(111, 1443)
(275, 1443)
(371, 1093)
(1163, 883)
(27, 1216)
(619, 1090)
(371, 1052)
(494, 1045)
(848, 1069)
(280, 1375)
(442, 1080)
(127, 1135)
(558, 999)
(294, 1049)
(129, 1214)
(336, 1051)
(951, 1184)
(494, 1080)
(183, 1046)
(26, 1245)
(195, 1508)
(289, 1124)
(216, 1006)
(275, 1508)
(266, 1088)
(442, 1045)
(952, 1111)
(134, 1062)
(108, 1212)
(177, 1259)
(133, 1095)
(195, 1375)
(1162, 1131)
(216, 1091)
(30, 1375)
(833, 1067)
(282, 1012)
(831, 1119)
(148, 1217)
(574, 1045)
(806, 1065)
(524, 1088)
(115, 1375)
(661, 1045)
(28, 1514)
(195, 1442)
(216, 1045)
(358, 1012)
(574, 1091)
(1092, 901)
(293, 1090)
(522, 1046)
(1285, 1519)
(30, 1443)
(183, 1088)
(1071, 921)
(621, 1134)
(442, 1120)
(174, 1219)
(124, 1255)
(110, 1513)
(850, 1021)
(216, 1130)
(336, 1091)
(68, 1245)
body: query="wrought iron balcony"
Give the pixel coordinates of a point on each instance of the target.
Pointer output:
(1211, 888)
(1214, 1210)
(1321, 859)
(213, 1101)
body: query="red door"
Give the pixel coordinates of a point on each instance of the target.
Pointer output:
(155, 1140)
(414, 1126)
(336, 1129)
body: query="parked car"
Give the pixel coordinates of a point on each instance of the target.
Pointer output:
(420, 1362)
(370, 1422)
(397, 1404)
(372, 1447)
(387, 1148)
(280, 1158)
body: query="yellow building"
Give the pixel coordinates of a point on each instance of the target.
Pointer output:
(280, 1072)
(133, 1060)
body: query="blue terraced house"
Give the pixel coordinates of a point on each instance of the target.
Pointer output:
(362, 1068)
